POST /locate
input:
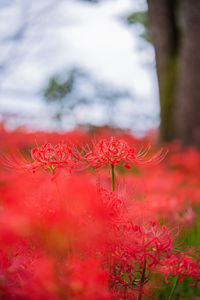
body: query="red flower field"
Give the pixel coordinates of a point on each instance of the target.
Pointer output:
(98, 217)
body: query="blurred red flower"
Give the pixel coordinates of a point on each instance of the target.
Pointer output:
(180, 265)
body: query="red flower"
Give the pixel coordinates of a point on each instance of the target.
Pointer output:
(115, 151)
(87, 280)
(151, 242)
(133, 248)
(51, 157)
(47, 156)
(180, 265)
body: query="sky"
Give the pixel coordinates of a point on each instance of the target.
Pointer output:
(56, 35)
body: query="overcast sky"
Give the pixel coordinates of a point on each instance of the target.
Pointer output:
(61, 34)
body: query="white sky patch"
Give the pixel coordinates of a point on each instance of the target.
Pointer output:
(80, 34)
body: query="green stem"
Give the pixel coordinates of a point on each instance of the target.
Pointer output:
(173, 288)
(142, 280)
(113, 177)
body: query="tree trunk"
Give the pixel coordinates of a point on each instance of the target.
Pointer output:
(165, 36)
(187, 111)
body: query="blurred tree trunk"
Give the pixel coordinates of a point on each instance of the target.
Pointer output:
(165, 37)
(188, 90)
(178, 67)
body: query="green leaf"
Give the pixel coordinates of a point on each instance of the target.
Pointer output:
(140, 18)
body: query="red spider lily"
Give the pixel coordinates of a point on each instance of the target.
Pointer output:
(115, 151)
(51, 157)
(48, 157)
(138, 246)
(180, 265)
(146, 242)
(73, 238)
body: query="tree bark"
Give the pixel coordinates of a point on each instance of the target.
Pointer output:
(187, 112)
(165, 36)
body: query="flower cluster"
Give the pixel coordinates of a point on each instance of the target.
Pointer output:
(76, 238)
(180, 265)
(111, 152)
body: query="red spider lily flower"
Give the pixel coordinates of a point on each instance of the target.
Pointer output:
(115, 151)
(136, 247)
(180, 265)
(48, 157)
(51, 157)
(146, 242)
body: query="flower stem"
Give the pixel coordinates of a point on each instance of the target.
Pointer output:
(142, 280)
(113, 178)
(173, 288)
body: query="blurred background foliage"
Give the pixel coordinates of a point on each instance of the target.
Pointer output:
(171, 26)
(141, 18)
(76, 88)
(72, 88)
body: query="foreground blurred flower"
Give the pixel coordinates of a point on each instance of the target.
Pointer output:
(86, 280)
